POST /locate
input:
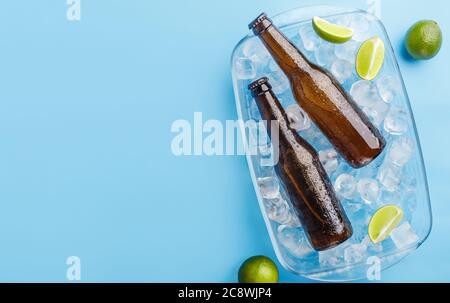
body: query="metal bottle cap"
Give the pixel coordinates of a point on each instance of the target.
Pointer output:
(260, 86)
(260, 24)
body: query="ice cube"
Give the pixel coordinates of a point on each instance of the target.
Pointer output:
(342, 70)
(332, 257)
(265, 150)
(254, 50)
(265, 162)
(254, 112)
(392, 197)
(409, 205)
(342, 20)
(389, 176)
(401, 151)
(321, 143)
(273, 66)
(389, 87)
(324, 54)
(264, 168)
(294, 240)
(369, 190)
(298, 119)
(269, 187)
(372, 248)
(404, 236)
(245, 69)
(364, 93)
(279, 82)
(377, 112)
(360, 26)
(343, 168)
(296, 40)
(311, 133)
(294, 220)
(278, 210)
(329, 160)
(311, 41)
(258, 134)
(409, 184)
(405, 196)
(355, 253)
(347, 51)
(396, 122)
(345, 185)
(352, 206)
(360, 222)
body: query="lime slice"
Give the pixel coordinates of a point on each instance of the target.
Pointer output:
(383, 222)
(370, 58)
(331, 32)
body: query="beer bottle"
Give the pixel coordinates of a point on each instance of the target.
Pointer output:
(302, 175)
(323, 98)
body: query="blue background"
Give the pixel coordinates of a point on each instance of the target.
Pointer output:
(85, 162)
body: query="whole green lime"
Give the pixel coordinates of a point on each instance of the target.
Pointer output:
(424, 40)
(258, 269)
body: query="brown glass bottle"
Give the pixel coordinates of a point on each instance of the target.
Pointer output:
(303, 176)
(323, 98)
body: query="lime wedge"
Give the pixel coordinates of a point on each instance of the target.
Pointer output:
(383, 222)
(331, 32)
(370, 58)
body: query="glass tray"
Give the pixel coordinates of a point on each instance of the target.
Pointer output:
(396, 177)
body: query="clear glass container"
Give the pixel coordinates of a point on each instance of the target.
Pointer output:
(397, 177)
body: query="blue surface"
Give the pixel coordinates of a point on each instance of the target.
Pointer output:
(85, 162)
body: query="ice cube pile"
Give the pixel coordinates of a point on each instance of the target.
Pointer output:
(391, 179)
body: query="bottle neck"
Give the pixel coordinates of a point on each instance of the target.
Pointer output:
(272, 112)
(286, 54)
